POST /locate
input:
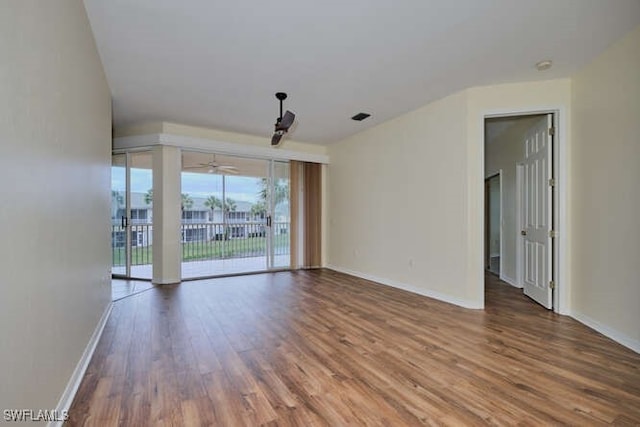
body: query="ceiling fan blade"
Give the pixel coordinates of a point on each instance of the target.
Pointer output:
(286, 122)
(275, 140)
(227, 168)
(228, 171)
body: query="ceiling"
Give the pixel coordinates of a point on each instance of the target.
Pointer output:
(218, 64)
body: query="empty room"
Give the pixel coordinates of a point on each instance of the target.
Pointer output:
(316, 213)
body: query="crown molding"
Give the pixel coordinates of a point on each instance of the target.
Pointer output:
(137, 142)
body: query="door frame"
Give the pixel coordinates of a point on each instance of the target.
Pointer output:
(128, 229)
(127, 214)
(487, 220)
(520, 224)
(562, 290)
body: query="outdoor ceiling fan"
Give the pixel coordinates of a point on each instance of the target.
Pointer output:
(283, 123)
(215, 167)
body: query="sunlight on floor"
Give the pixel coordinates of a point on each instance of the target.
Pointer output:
(124, 288)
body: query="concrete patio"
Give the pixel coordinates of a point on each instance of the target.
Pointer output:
(208, 268)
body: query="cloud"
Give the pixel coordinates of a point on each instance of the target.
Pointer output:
(242, 188)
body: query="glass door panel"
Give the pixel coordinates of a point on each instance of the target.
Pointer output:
(141, 214)
(202, 232)
(235, 215)
(280, 253)
(131, 215)
(119, 245)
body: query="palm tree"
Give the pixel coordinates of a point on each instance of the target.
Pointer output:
(229, 206)
(187, 201)
(280, 190)
(148, 198)
(212, 203)
(259, 210)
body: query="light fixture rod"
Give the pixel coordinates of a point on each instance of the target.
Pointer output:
(281, 96)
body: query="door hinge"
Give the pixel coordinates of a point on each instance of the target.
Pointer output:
(552, 182)
(552, 233)
(552, 131)
(552, 284)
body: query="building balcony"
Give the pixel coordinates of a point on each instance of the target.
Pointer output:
(208, 249)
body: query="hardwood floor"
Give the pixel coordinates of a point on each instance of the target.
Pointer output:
(122, 288)
(314, 348)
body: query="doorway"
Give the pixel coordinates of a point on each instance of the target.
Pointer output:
(131, 215)
(521, 151)
(235, 215)
(493, 222)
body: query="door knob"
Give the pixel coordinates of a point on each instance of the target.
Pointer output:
(523, 232)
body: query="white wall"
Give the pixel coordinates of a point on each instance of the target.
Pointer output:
(605, 192)
(55, 144)
(397, 202)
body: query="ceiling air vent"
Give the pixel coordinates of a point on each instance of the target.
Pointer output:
(360, 117)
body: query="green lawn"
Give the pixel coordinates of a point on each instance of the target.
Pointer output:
(194, 251)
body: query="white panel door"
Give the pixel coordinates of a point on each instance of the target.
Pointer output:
(538, 213)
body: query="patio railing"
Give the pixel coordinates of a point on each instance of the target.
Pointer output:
(203, 241)
(141, 244)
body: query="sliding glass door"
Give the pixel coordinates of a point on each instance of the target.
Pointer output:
(235, 215)
(120, 245)
(131, 215)
(279, 216)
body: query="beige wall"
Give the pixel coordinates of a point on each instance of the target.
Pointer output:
(55, 144)
(167, 267)
(511, 99)
(605, 191)
(397, 202)
(411, 191)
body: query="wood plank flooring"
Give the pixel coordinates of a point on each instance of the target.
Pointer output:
(318, 348)
(122, 288)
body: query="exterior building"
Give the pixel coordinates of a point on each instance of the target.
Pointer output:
(199, 222)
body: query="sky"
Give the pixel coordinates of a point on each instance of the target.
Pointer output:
(240, 188)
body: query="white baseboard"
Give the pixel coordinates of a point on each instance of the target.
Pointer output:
(510, 281)
(605, 330)
(76, 378)
(410, 288)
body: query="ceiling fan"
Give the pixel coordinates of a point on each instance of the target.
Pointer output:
(215, 167)
(283, 123)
